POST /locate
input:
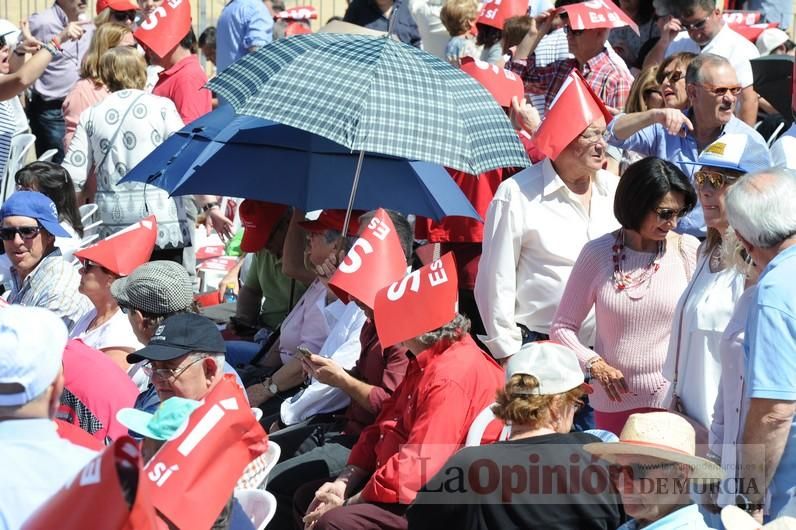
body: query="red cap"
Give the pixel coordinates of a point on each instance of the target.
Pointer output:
(116, 5)
(259, 220)
(496, 12)
(124, 251)
(502, 84)
(297, 28)
(333, 220)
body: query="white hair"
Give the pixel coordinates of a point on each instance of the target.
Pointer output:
(219, 358)
(760, 206)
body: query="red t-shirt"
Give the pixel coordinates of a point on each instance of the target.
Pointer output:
(183, 84)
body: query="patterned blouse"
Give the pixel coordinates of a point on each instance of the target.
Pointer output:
(111, 138)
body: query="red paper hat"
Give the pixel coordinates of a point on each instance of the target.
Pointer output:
(165, 27)
(502, 84)
(376, 259)
(297, 28)
(574, 108)
(124, 251)
(299, 13)
(95, 498)
(597, 14)
(116, 5)
(421, 302)
(496, 13)
(192, 476)
(259, 219)
(333, 220)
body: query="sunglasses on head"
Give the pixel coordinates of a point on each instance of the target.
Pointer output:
(714, 178)
(574, 32)
(667, 214)
(721, 91)
(25, 232)
(122, 16)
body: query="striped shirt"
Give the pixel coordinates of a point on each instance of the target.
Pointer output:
(52, 285)
(7, 127)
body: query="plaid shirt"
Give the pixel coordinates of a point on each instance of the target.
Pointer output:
(609, 80)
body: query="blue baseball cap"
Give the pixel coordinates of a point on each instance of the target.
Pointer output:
(736, 151)
(36, 206)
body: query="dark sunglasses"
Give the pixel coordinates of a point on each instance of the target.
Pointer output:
(695, 25)
(642, 471)
(87, 264)
(673, 76)
(25, 232)
(574, 32)
(714, 178)
(122, 16)
(667, 214)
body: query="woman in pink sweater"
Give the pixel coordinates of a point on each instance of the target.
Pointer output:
(633, 279)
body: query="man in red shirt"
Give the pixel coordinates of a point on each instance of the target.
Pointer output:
(182, 80)
(448, 382)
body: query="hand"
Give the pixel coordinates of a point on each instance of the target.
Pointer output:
(330, 495)
(230, 278)
(72, 31)
(523, 115)
(674, 121)
(669, 28)
(325, 370)
(610, 378)
(28, 43)
(328, 268)
(543, 23)
(219, 222)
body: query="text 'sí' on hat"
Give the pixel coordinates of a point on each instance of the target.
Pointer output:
(502, 84)
(122, 252)
(156, 288)
(573, 109)
(496, 12)
(180, 335)
(333, 220)
(555, 366)
(259, 219)
(662, 435)
(32, 342)
(164, 424)
(739, 152)
(596, 14)
(162, 32)
(423, 301)
(117, 5)
(36, 206)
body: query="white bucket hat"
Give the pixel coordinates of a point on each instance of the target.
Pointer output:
(661, 435)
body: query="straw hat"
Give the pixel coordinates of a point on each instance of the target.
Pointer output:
(660, 435)
(733, 518)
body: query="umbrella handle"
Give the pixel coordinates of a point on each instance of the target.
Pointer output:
(351, 197)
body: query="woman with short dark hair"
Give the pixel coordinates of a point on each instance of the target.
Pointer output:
(633, 278)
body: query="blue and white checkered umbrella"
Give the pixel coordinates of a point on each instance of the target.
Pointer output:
(374, 94)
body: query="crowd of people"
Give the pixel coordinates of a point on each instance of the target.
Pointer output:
(611, 346)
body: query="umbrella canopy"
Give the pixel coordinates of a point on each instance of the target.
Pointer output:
(243, 156)
(374, 94)
(773, 80)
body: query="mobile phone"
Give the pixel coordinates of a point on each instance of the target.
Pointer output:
(303, 350)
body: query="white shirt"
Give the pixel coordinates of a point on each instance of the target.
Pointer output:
(306, 324)
(116, 332)
(783, 152)
(728, 44)
(343, 347)
(433, 34)
(535, 229)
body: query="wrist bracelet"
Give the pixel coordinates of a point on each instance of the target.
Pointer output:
(209, 206)
(50, 48)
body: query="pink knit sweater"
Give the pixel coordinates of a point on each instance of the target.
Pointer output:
(632, 334)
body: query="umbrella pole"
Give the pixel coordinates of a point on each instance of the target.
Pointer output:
(354, 187)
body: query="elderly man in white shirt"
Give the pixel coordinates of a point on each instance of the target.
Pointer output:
(536, 225)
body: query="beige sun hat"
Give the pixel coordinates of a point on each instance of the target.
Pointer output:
(734, 518)
(660, 435)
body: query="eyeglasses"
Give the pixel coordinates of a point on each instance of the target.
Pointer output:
(168, 374)
(594, 137)
(695, 25)
(642, 471)
(25, 232)
(667, 214)
(672, 75)
(716, 179)
(87, 264)
(122, 16)
(574, 32)
(721, 91)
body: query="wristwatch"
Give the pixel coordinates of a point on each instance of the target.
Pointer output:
(271, 386)
(209, 206)
(743, 502)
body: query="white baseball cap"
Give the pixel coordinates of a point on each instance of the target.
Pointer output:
(555, 366)
(739, 152)
(10, 32)
(29, 358)
(771, 39)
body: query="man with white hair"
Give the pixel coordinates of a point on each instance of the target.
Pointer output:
(36, 461)
(760, 209)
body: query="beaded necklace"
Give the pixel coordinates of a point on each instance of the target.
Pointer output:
(624, 281)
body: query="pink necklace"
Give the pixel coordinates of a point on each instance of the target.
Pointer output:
(625, 281)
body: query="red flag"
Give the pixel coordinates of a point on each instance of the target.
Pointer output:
(124, 251)
(501, 83)
(95, 498)
(192, 476)
(376, 258)
(574, 108)
(496, 12)
(597, 14)
(420, 302)
(165, 27)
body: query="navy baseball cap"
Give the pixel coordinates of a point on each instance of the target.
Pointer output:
(180, 335)
(36, 206)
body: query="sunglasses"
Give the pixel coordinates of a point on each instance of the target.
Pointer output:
(642, 471)
(714, 178)
(87, 265)
(574, 32)
(721, 91)
(673, 76)
(25, 232)
(667, 214)
(695, 25)
(122, 16)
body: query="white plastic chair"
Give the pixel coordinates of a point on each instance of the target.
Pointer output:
(47, 155)
(87, 211)
(20, 144)
(255, 475)
(479, 425)
(776, 132)
(91, 229)
(259, 506)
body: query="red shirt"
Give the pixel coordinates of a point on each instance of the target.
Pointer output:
(182, 83)
(426, 420)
